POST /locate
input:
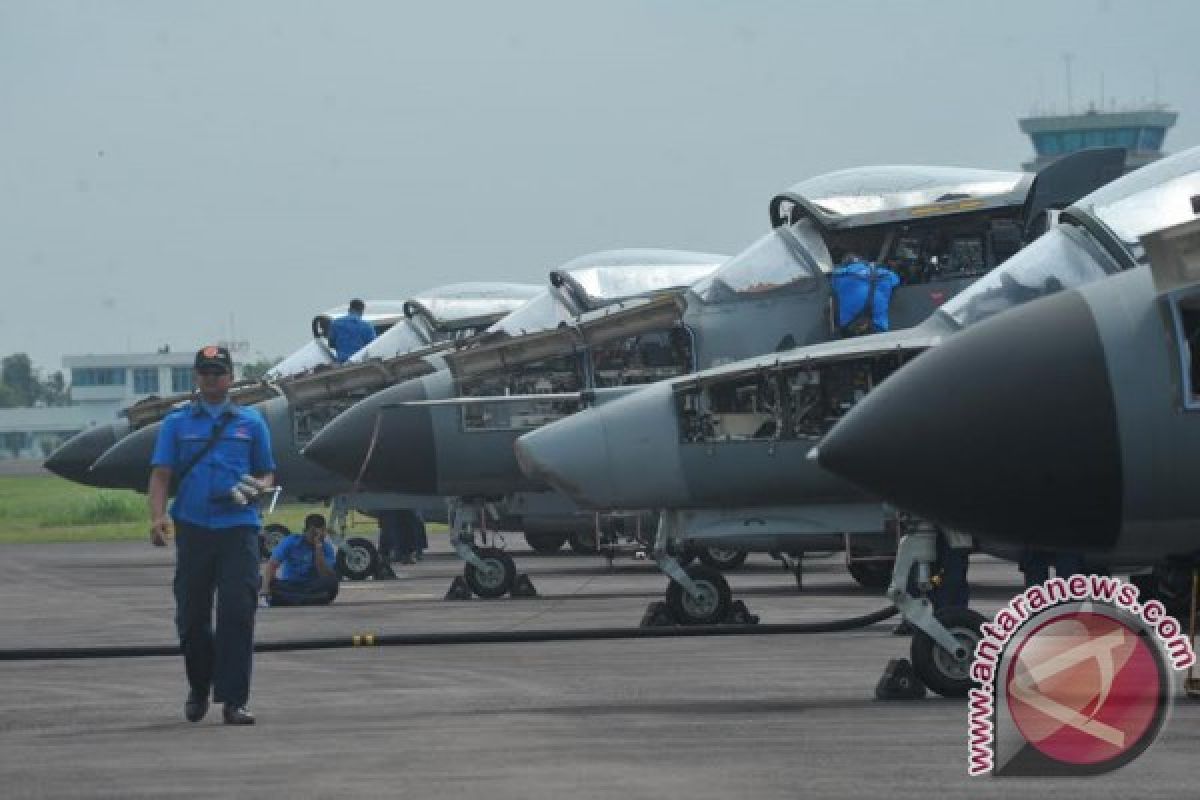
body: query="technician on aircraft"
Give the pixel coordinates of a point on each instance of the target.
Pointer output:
(219, 455)
(308, 577)
(350, 333)
(863, 293)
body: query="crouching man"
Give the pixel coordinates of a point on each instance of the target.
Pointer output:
(308, 577)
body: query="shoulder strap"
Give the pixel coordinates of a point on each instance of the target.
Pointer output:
(217, 430)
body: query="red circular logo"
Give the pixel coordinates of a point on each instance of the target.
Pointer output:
(1085, 689)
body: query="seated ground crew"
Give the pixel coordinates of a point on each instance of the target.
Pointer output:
(350, 333)
(863, 293)
(309, 576)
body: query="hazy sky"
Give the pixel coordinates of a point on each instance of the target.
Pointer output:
(172, 169)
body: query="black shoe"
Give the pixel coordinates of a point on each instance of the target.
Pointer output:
(237, 715)
(196, 706)
(385, 573)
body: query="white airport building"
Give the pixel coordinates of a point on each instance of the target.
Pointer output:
(101, 385)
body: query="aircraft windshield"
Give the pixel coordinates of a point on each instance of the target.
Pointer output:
(1154, 197)
(312, 354)
(604, 285)
(1056, 261)
(541, 313)
(867, 189)
(786, 259)
(403, 337)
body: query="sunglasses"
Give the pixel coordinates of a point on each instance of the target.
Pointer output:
(213, 372)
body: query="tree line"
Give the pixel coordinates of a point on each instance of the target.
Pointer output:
(22, 386)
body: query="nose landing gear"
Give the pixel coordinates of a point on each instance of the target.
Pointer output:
(945, 640)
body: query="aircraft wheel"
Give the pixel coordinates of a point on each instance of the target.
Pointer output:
(713, 604)
(941, 671)
(546, 542)
(358, 560)
(583, 543)
(270, 537)
(872, 574)
(498, 576)
(723, 558)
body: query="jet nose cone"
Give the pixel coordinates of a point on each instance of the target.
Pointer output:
(570, 455)
(1007, 430)
(379, 444)
(622, 454)
(75, 457)
(126, 465)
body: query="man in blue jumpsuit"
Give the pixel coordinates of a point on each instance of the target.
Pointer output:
(350, 333)
(305, 564)
(864, 294)
(219, 455)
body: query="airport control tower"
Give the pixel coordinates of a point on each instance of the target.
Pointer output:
(1141, 132)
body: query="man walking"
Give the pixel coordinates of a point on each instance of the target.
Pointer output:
(218, 455)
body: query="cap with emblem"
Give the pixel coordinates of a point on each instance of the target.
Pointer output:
(213, 357)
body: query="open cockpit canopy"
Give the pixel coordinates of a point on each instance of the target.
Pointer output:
(874, 195)
(468, 305)
(600, 279)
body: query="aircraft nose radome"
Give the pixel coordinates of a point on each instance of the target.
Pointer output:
(126, 465)
(570, 455)
(1007, 430)
(75, 457)
(402, 455)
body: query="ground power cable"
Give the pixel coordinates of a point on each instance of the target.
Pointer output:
(462, 638)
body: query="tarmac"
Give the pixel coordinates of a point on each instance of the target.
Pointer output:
(745, 717)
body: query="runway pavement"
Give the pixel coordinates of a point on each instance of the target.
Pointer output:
(749, 717)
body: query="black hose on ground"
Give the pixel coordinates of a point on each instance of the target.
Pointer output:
(470, 637)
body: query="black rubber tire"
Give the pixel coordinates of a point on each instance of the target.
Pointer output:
(546, 542)
(875, 575)
(937, 668)
(358, 560)
(724, 559)
(270, 536)
(499, 582)
(714, 609)
(583, 543)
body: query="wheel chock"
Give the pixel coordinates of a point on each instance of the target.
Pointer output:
(459, 590)
(740, 615)
(658, 616)
(523, 587)
(899, 682)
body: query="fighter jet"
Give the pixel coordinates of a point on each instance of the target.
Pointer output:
(725, 452)
(73, 459)
(943, 227)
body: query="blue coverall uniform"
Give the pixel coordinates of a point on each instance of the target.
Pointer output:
(348, 335)
(851, 285)
(299, 583)
(216, 542)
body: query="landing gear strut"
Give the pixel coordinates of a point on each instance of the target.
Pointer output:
(696, 595)
(489, 572)
(945, 641)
